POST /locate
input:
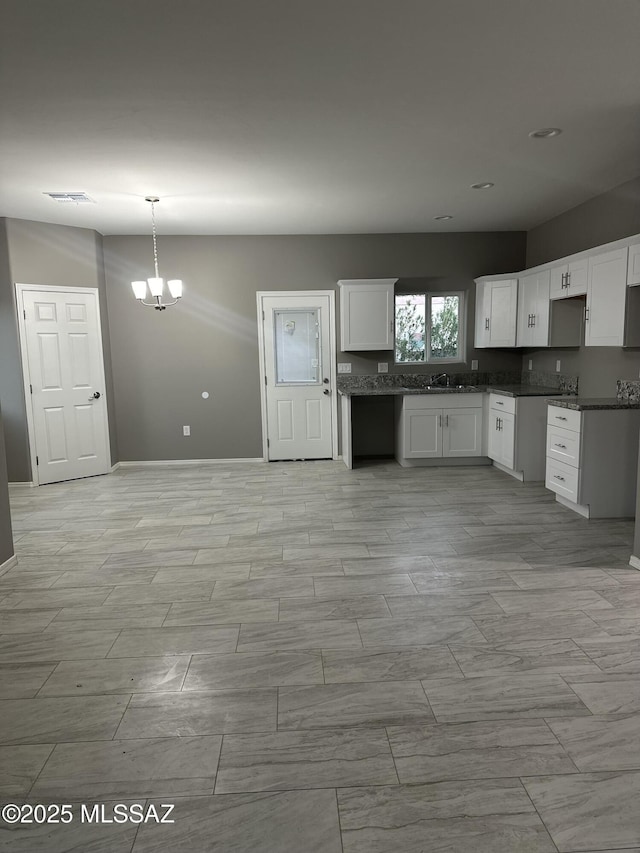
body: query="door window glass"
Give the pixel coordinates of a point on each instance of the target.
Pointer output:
(297, 346)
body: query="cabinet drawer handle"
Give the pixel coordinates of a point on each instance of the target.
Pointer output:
(558, 477)
(560, 418)
(561, 446)
(498, 403)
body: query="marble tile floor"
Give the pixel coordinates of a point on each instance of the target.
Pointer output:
(307, 659)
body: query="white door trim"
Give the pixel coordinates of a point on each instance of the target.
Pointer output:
(260, 295)
(26, 381)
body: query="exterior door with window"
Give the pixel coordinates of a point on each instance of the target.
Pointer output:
(65, 382)
(297, 358)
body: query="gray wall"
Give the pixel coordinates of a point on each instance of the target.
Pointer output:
(607, 217)
(162, 361)
(6, 538)
(41, 253)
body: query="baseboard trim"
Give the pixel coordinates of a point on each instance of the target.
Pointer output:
(115, 467)
(8, 564)
(517, 475)
(634, 561)
(578, 508)
(173, 462)
(28, 483)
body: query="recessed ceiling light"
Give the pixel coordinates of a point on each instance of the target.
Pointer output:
(73, 197)
(443, 216)
(545, 133)
(485, 186)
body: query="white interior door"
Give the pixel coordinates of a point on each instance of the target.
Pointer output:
(61, 330)
(299, 389)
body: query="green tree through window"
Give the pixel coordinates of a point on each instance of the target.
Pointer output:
(442, 343)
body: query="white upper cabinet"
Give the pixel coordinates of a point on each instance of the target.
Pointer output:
(633, 266)
(496, 307)
(606, 299)
(533, 310)
(569, 279)
(367, 313)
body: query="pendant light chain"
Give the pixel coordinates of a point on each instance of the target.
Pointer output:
(155, 243)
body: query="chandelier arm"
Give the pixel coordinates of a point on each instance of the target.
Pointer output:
(155, 241)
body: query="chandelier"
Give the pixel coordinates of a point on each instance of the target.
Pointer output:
(156, 283)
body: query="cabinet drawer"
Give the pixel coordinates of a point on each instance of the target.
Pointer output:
(502, 404)
(562, 479)
(563, 445)
(567, 418)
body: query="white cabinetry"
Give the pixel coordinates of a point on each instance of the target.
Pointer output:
(438, 426)
(633, 265)
(606, 299)
(592, 460)
(533, 310)
(569, 279)
(516, 431)
(496, 307)
(367, 311)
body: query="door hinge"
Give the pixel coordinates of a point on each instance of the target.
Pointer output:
(267, 442)
(265, 380)
(31, 389)
(263, 315)
(37, 461)
(24, 313)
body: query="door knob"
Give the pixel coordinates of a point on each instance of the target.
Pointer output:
(326, 391)
(96, 396)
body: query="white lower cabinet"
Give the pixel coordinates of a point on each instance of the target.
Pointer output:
(516, 434)
(592, 459)
(438, 426)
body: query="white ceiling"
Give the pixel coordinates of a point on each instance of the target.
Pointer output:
(315, 116)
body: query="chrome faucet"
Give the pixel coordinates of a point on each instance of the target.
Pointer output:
(440, 376)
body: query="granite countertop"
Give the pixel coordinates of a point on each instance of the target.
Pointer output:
(582, 404)
(406, 392)
(506, 390)
(525, 390)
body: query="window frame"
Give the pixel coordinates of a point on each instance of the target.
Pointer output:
(428, 356)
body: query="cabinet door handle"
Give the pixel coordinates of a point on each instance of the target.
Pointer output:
(446, 420)
(533, 320)
(486, 323)
(586, 314)
(561, 446)
(558, 477)
(569, 279)
(562, 280)
(440, 420)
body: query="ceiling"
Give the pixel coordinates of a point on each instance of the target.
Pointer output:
(315, 116)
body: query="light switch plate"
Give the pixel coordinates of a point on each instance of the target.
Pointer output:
(383, 367)
(474, 364)
(558, 366)
(344, 367)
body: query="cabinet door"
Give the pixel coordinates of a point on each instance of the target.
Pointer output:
(540, 311)
(503, 300)
(482, 316)
(367, 313)
(633, 267)
(462, 434)
(494, 442)
(508, 431)
(577, 277)
(557, 282)
(606, 298)
(422, 433)
(527, 289)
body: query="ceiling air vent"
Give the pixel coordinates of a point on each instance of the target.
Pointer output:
(75, 198)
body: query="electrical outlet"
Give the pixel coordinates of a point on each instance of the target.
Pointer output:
(530, 364)
(474, 364)
(383, 367)
(344, 367)
(558, 366)
(186, 430)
